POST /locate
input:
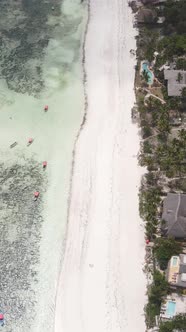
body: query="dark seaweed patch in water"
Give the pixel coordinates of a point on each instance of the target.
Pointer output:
(24, 34)
(20, 226)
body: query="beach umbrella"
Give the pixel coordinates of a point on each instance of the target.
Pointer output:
(30, 140)
(44, 164)
(46, 108)
(1, 316)
(36, 194)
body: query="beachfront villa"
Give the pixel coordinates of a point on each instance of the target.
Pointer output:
(174, 216)
(176, 271)
(173, 305)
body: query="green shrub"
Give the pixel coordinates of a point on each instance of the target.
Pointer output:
(175, 17)
(156, 292)
(164, 249)
(149, 202)
(181, 64)
(178, 323)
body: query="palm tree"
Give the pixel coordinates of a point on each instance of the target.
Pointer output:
(182, 135)
(179, 78)
(146, 76)
(183, 93)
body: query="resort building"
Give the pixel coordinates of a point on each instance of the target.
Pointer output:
(174, 216)
(173, 305)
(176, 81)
(176, 271)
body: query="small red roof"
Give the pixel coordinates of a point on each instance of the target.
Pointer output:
(30, 140)
(44, 163)
(1, 316)
(36, 194)
(46, 108)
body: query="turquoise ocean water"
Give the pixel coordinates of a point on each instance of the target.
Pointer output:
(41, 53)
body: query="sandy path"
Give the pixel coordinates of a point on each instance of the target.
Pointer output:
(102, 286)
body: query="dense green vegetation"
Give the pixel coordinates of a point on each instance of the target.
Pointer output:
(161, 152)
(164, 249)
(175, 17)
(149, 202)
(156, 292)
(171, 46)
(147, 42)
(163, 149)
(154, 117)
(169, 155)
(176, 324)
(181, 64)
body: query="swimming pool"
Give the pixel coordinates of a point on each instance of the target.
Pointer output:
(145, 68)
(174, 261)
(171, 308)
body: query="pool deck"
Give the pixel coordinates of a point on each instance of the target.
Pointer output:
(176, 271)
(180, 306)
(173, 271)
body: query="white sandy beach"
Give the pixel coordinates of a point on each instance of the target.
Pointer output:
(102, 286)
